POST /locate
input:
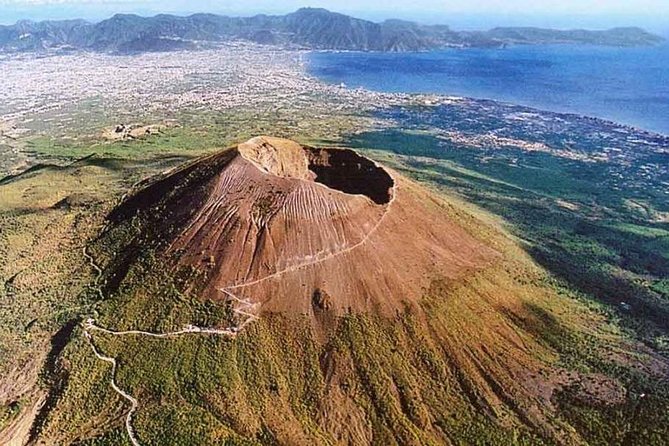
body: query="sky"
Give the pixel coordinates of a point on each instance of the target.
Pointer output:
(470, 14)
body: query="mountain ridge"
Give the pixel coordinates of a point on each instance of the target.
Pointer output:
(309, 28)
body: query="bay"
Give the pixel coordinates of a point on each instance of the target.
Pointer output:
(625, 85)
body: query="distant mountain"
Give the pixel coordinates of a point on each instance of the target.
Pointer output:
(613, 37)
(311, 28)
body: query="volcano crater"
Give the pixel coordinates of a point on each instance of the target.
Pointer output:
(339, 169)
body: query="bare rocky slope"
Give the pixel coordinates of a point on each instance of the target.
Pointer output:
(281, 222)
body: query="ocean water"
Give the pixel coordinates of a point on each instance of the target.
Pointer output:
(625, 85)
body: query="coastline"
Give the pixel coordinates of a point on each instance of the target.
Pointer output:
(353, 78)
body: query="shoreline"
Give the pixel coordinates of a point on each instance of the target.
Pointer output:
(517, 102)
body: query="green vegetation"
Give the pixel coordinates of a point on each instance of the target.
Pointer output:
(9, 412)
(278, 383)
(249, 388)
(571, 221)
(170, 142)
(603, 252)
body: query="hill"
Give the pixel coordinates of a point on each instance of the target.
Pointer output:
(311, 28)
(275, 293)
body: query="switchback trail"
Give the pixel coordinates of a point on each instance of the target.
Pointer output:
(133, 402)
(90, 325)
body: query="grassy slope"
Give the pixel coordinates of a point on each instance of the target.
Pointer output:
(44, 272)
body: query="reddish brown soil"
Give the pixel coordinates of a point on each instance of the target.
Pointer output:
(280, 222)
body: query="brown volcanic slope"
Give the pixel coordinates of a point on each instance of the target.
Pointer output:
(280, 223)
(382, 319)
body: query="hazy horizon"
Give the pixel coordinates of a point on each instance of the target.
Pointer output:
(480, 14)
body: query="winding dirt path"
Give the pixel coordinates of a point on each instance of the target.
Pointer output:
(133, 402)
(244, 308)
(90, 325)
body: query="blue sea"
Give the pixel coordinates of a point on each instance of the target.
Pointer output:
(626, 85)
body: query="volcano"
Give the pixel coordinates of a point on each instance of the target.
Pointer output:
(276, 293)
(299, 229)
